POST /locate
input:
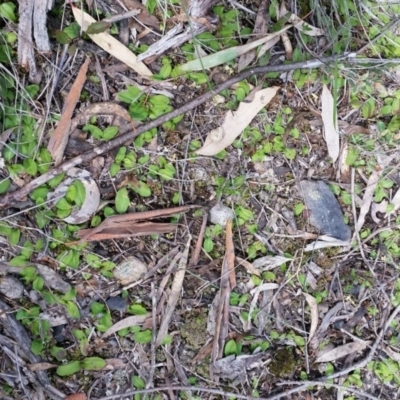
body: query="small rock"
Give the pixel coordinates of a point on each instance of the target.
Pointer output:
(11, 287)
(130, 270)
(116, 303)
(323, 210)
(220, 214)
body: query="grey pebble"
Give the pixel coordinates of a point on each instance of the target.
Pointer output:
(324, 210)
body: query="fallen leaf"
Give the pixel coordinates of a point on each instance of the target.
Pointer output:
(76, 396)
(235, 122)
(224, 56)
(41, 366)
(269, 262)
(126, 323)
(174, 294)
(314, 314)
(129, 225)
(329, 119)
(342, 351)
(248, 266)
(59, 139)
(369, 191)
(110, 44)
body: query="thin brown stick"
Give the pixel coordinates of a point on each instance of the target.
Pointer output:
(127, 135)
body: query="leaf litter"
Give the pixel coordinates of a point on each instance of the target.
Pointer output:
(265, 305)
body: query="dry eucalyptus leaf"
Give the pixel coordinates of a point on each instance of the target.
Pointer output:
(314, 314)
(110, 44)
(342, 351)
(126, 323)
(329, 118)
(235, 122)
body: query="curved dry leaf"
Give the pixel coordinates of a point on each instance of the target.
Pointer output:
(269, 262)
(92, 198)
(314, 314)
(235, 122)
(342, 351)
(126, 323)
(329, 118)
(110, 44)
(304, 27)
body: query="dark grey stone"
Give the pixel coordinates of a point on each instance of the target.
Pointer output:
(116, 303)
(323, 210)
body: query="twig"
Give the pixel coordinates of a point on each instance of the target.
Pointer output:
(127, 135)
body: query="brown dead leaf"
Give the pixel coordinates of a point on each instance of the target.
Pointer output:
(128, 225)
(59, 139)
(76, 396)
(144, 17)
(230, 253)
(174, 294)
(248, 266)
(41, 366)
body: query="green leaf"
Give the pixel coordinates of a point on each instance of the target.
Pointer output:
(143, 337)
(62, 37)
(69, 369)
(141, 188)
(97, 308)
(18, 261)
(37, 346)
(352, 156)
(56, 180)
(70, 295)
(80, 192)
(73, 30)
(130, 95)
(58, 353)
(298, 208)
(110, 132)
(230, 348)
(93, 363)
(114, 169)
(94, 130)
(122, 200)
(137, 309)
(38, 284)
(63, 205)
(7, 11)
(4, 185)
(138, 382)
(14, 237)
(208, 245)
(72, 309)
(98, 27)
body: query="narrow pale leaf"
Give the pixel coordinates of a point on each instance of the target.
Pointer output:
(235, 122)
(110, 44)
(342, 351)
(329, 119)
(227, 55)
(314, 314)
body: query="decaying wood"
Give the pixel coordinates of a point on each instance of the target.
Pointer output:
(32, 18)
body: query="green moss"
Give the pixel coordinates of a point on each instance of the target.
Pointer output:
(283, 363)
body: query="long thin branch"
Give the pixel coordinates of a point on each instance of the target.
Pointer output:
(9, 199)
